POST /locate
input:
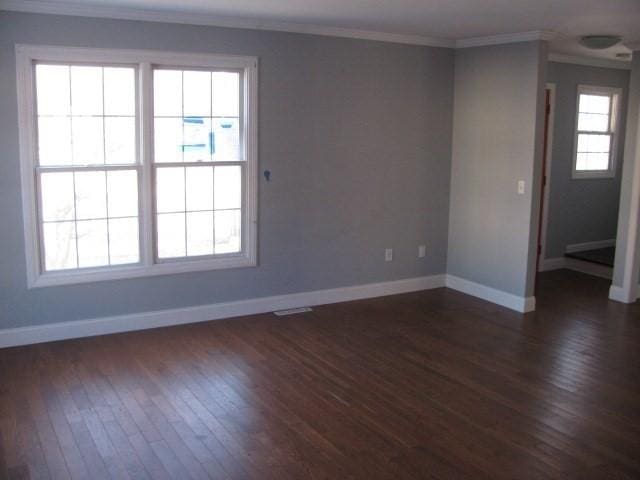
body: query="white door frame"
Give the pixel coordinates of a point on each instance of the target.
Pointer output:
(547, 175)
(627, 262)
(629, 291)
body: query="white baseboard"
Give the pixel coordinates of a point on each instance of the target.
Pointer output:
(576, 265)
(549, 264)
(619, 295)
(509, 300)
(581, 247)
(141, 321)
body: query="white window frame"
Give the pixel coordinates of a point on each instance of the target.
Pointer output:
(144, 60)
(614, 120)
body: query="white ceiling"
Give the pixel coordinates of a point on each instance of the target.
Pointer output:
(435, 19)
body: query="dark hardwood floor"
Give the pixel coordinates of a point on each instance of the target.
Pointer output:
(426, 385)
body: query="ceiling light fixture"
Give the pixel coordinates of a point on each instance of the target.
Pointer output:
(599, 42)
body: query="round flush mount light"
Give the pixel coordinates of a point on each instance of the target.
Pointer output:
(599, 42)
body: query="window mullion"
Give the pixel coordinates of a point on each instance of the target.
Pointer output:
(145, 141)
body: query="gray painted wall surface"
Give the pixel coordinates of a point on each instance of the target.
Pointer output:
(581, 210)
(497, 96)
(357, 135)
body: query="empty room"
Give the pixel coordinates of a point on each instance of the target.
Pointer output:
(319, 239)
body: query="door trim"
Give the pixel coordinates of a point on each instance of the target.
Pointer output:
(546, 188)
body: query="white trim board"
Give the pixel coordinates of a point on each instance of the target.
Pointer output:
(589, 61)
(576, 265)
(581, 247)
(499, 297)
(163, 318)
(505, 38)
(212, 20)
(618, 294)
(207, 19)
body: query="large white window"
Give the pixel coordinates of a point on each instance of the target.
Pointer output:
(136, 163)
(596, 139)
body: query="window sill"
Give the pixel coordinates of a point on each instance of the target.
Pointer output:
(592, 175)
(90, 275)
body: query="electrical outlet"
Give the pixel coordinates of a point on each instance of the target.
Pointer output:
(521, 187)
(388, 254)
(422, 251)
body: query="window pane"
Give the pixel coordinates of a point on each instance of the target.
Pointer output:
(170, 189)
(226, 139)
(122, 189)
(593, 122)
(52, 89)
(57, 196)
(93, 249)
(197, 94)
(597, 161)
(594, 103)
(86, 91)
(199, 233)
(592, 161)
(226, 94)
(54, 141)
(227, 231)
(594, 143)
(171, 235)
(582, 161)
(199, 188)
(168, 140)
(120, 140)
(88, 140)
(123, 241)
(167, 93)
(198, 139)
(119, 91)
(59, 246)
(228, 187)
(91, 195)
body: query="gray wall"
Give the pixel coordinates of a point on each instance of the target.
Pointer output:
(357, 135)
(580, 210)
(498, 92)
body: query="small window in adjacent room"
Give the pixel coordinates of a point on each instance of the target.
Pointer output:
(136, 163)
(596, 135)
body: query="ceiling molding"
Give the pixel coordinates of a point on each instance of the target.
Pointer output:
(101, 11)
(589, 61)
(504, 38)
(166, 16)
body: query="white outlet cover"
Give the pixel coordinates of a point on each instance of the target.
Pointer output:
(388, 255)
(422, 251)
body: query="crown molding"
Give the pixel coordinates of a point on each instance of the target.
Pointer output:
(505, 38)
(589, 61)
(212, 20)
(121, 13)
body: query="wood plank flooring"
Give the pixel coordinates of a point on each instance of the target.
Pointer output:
(429, 385)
